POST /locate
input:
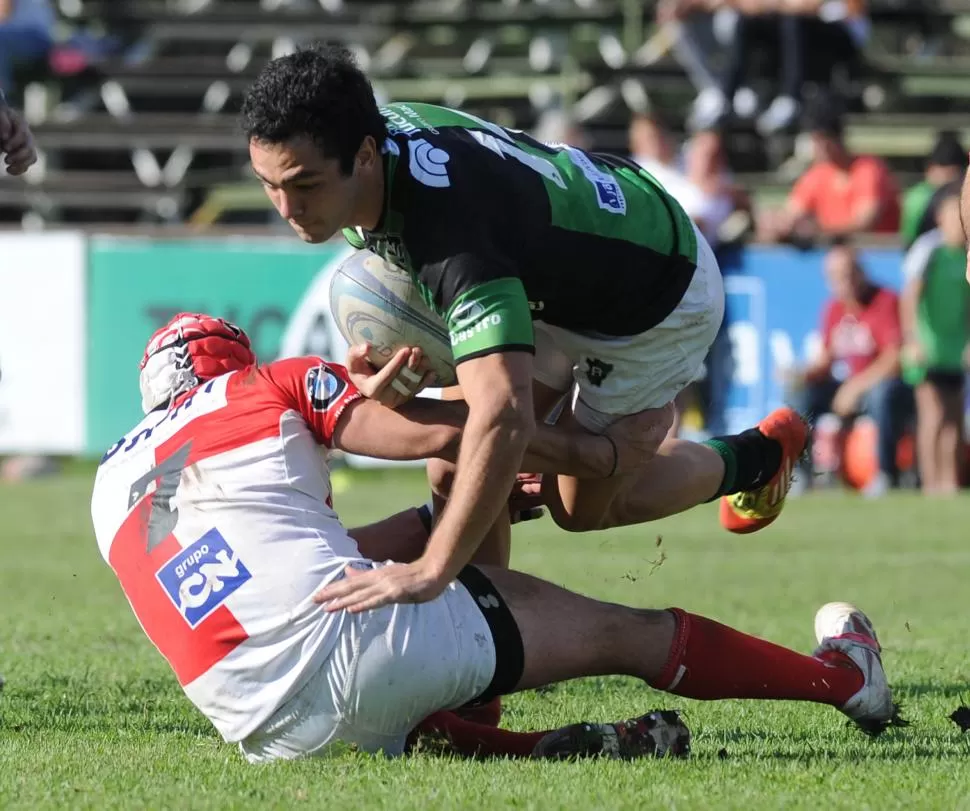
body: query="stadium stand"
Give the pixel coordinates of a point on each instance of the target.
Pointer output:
(149, 135)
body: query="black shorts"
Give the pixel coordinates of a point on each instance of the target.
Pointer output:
(509, 652)
(946, 380)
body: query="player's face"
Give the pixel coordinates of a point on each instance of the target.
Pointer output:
(824, 147)
(844, 277)
(307, 189)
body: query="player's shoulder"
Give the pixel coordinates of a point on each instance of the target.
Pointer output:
(297, 367)
(308, 377)
(870, 164)
(439, 148)
(917, 259)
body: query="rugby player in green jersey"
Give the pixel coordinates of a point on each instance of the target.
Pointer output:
(555, 270)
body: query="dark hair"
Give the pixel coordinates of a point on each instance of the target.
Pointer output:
(948, 151)
(319, 93)
(826, 122)
(824, 114)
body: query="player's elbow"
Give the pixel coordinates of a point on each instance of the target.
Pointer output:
(517, 424)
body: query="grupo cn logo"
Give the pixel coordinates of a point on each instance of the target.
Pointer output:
(201, 576)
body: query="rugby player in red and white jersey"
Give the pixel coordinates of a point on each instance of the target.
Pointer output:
(215, 513)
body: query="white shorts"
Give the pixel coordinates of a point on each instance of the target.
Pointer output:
(389, 670)
(613, 377)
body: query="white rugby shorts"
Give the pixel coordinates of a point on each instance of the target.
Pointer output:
(613, 377)
(389, 670)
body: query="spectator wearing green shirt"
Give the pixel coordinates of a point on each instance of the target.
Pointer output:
(945, 164)
(935, 315)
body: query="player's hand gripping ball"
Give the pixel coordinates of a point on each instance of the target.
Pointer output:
(377, 304)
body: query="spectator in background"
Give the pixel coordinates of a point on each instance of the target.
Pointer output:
(805, 33)
(653, 146)
(703, 185)
(945, 164)
(698, 178)
(26, 35)
(716, 197)
(840, 195)
(857, 370)
(935, 315)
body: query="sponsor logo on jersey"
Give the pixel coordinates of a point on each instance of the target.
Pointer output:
(459, 336)
(466, 313)
(200, 577)
(408, 123)
(597, 370)
(609, 195)
(428, 164)
(324, 388)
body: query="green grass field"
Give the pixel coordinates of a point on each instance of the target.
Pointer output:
(91, 717)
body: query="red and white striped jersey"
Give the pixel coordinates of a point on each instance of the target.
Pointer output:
(217, 518)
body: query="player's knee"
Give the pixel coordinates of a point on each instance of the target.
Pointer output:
(441, 476)
(573, 520)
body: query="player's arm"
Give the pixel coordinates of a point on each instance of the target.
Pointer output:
(498, 390)
(492, 339)
(871, 198)
(914, 271)
(339, 417)
(797, 215)
(965, 215)
(424, 428)
(820, 366)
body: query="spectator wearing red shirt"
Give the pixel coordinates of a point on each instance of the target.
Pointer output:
(857, 371)
(841, 194)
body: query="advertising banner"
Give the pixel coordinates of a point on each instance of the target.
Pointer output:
(42, 357)
(136, 285)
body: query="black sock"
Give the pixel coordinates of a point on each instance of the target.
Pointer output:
(750, 460)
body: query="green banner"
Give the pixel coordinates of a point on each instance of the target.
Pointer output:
(136, 285)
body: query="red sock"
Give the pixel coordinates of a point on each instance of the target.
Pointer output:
(478, 739)
(488, 714)
(709, 660)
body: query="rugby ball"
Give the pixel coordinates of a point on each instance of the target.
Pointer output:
(376, 302)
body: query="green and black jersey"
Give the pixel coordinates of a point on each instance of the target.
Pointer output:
(499, 229)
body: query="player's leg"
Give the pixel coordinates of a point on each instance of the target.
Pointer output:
(644, 372)
(888, 403)
(950, 445)
(564, 635)
(401, 537)
(951, 438)
(656, 734)
(497, 631)
(929, 421)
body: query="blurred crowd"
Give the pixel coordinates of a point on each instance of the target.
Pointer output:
(896, 360)
(891, 365)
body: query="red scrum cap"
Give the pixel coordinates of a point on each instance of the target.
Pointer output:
(188, 350)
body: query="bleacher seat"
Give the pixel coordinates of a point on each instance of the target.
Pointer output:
(154, 130)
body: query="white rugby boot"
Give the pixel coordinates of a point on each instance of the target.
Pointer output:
(844, 628)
